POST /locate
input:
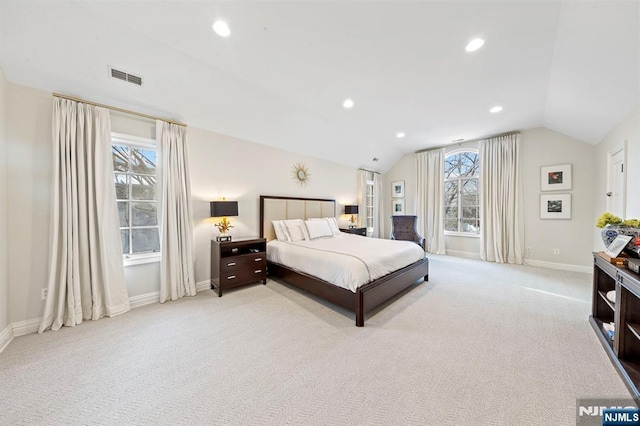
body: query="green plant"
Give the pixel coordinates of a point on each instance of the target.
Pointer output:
(633, 223)
(607, 218)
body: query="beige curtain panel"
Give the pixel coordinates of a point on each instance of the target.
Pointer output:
(86, 274)
(429, 199)
(177, 277)
(501, 211)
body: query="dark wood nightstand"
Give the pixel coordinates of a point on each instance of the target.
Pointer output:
(357, 231)
(239, 262)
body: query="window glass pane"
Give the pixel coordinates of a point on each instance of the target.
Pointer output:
(122, 187)
(143, 161)
(145, 240)
(468, 164)
(470, 212)
(452, 166)
(470, 225)
(143, 187)
(120, 159)
(124, 234)
(451, 224)
(469, 192)
(123, 213)
(144, 214)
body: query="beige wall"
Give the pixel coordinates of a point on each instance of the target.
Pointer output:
(628, 130)
(29, 157)
(540, 147)
(220, 166)
(4, 274)
(544, 147)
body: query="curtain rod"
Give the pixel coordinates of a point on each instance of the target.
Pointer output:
(370, 171)
(139, 114)
(515, 132)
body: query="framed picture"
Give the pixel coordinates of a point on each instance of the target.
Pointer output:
(555, 178)
(397, 189)
(555, 206)
(398, 207)
(617, 245)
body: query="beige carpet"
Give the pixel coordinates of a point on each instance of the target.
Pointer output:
(480, 344)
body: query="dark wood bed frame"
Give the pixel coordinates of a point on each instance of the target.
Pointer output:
(366, 298)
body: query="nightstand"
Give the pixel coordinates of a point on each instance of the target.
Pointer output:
(238, 262)
(357, 231)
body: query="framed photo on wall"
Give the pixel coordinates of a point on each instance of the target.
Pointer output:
(397, 207)
(397, 189)
(555, 178)
(555, 206)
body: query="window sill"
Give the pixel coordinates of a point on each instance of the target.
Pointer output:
(141, 259)
(461, 234)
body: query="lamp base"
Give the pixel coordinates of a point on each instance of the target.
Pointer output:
(223, 238)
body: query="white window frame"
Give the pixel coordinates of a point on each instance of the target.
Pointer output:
(368, 207)
(462, 233)
(143, 143)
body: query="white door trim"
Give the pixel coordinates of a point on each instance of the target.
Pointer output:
(616, 150)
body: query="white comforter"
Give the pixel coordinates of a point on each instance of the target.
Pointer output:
(346, 260)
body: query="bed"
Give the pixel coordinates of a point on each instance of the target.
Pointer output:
(361, 298)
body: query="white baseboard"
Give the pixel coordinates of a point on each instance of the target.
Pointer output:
(529, 262)
(203, 285)
(6, 336)
(459, 253)
(144, 299)
(25, 327)
(561, 266)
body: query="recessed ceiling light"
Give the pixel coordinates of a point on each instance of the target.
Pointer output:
(221, 28)
(474, 45)
(400, 135)
(348, 103)
(496, 109)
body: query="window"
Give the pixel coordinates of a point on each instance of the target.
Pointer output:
(461, 200)
(369, 207)
(134, 175)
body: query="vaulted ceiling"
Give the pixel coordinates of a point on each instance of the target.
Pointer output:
(281, 76)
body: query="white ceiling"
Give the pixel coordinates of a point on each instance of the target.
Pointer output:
(281, 77)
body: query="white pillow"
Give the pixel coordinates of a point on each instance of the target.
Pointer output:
(318, 229)
(280, 230)
(297, 230)
(333, 224)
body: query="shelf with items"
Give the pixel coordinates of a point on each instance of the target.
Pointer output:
(623, 347)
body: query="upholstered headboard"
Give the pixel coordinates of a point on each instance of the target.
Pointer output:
(279, 208)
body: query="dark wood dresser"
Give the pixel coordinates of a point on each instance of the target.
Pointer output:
(624, 347)
(239, 262)
(357, 231)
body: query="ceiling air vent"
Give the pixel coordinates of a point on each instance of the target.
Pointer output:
(125, 76)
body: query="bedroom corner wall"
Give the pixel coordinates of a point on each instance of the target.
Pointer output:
(4, 273)
(540, 147)
(627, 130)
(222, 166)
(29, 171)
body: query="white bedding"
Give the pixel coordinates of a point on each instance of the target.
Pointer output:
(346, 260)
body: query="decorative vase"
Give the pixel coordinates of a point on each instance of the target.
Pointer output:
(610, 232)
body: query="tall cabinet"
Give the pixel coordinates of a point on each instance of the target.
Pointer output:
(624, 347)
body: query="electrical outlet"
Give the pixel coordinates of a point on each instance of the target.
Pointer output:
(43, 293)
(556, 252)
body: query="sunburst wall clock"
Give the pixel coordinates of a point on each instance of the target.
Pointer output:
(300, 174)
